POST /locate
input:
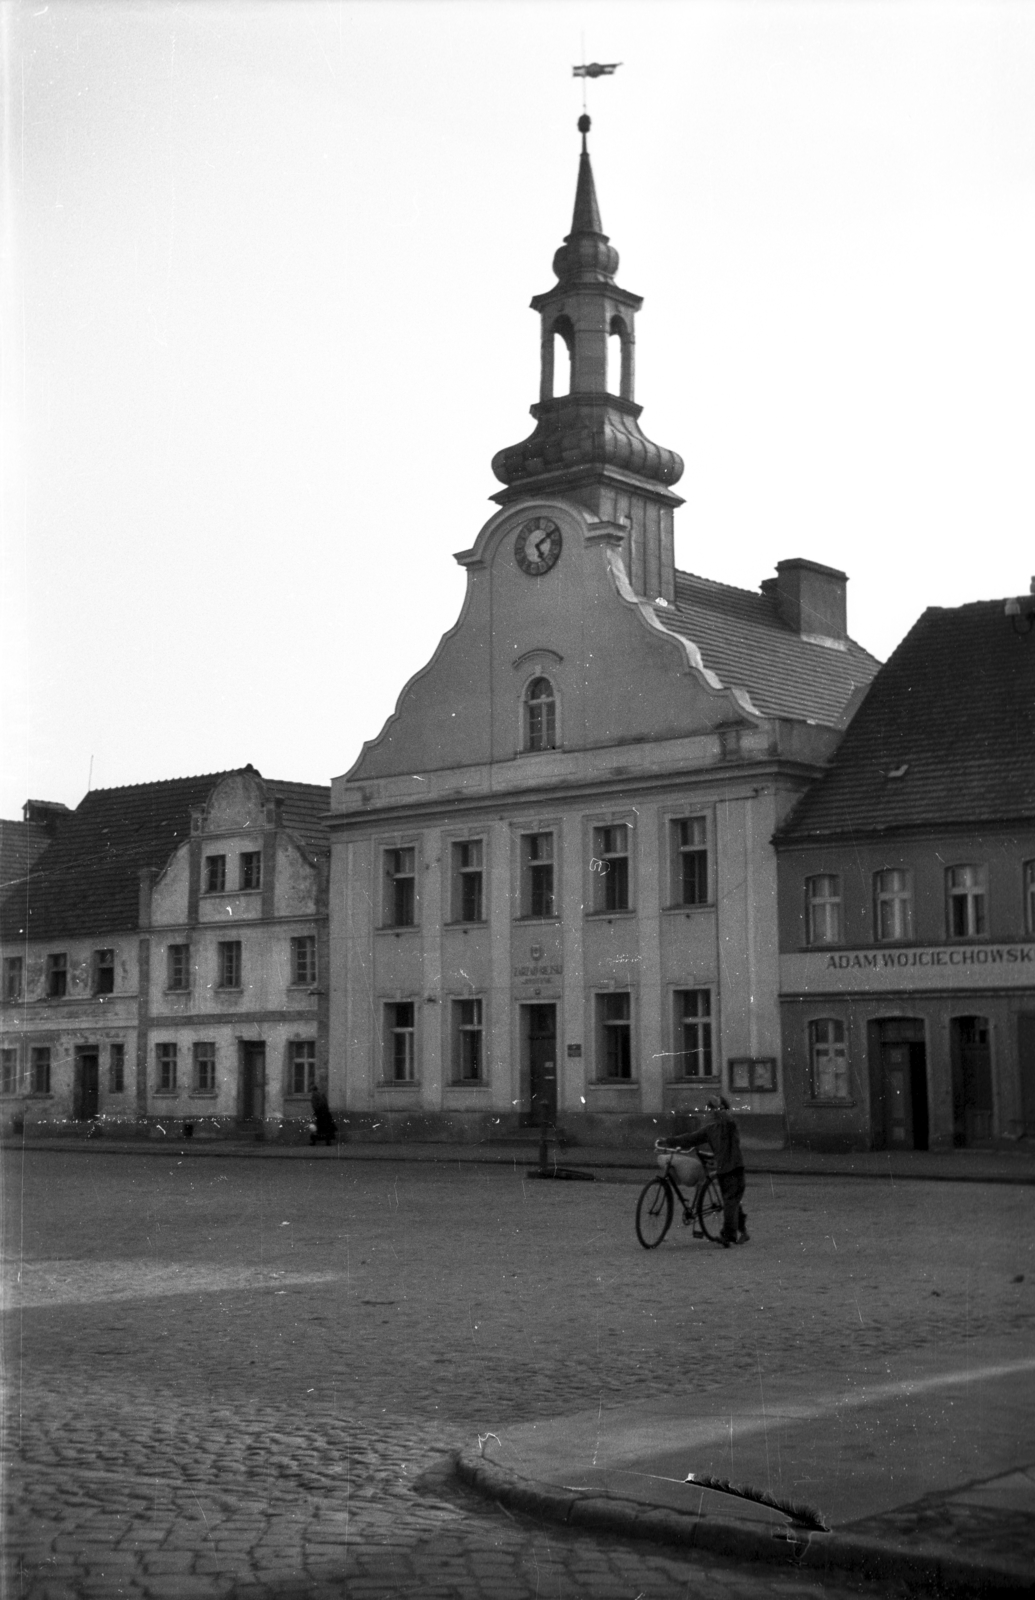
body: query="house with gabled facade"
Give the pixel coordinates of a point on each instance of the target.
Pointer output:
(164, 962)
(553, 887)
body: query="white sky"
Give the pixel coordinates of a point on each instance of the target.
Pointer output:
(265, 300)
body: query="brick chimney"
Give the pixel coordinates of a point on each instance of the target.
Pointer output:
(810, 599)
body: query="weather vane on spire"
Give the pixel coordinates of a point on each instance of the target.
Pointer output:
(593, 69)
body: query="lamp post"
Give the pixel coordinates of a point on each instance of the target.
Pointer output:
(1021, 612)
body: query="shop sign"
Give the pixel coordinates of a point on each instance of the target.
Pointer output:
(974, 966)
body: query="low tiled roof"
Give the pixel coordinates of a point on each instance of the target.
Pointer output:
(946, 735)
(20, 844)
(745, 642)
(87, 880)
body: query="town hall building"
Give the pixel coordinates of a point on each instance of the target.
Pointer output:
(553, 885)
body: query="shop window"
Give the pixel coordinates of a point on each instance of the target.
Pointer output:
(165, 1062)
(828, 1059)
(468, 1041)
(537, 896)
(215, 874)
(400, 904)
(39, 1069)
(104, 972)
(177, 966)
(967, 902)
(468, 885)
(251, 869)
(57, 975)
(303, 959)
(610, 867)
(117, 1069)
(400, 1055)
(614, 1035)
(823, 909)
(228, 964)
(689, 861)
(301, 1066)
(14, 978)
(540, 715)
(205, 1067)
(893, 905)
(693, 1034)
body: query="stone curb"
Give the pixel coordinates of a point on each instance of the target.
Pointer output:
(930, 1567)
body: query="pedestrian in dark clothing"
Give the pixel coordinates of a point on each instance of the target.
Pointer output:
(323, 1125)
(721, 1135)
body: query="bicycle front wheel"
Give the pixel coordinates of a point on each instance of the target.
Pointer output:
(653, 1213)
(710, 1209)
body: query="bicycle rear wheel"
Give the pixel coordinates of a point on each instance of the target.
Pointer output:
(710, 1209)
(653, 1213)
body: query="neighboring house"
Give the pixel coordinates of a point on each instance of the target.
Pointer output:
(161, 963)
(553, 885)
(907, 902)
(21, 842)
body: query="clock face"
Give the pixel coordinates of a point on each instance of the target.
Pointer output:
(537, 546)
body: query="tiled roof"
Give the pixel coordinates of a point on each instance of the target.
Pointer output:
(20, 844)
(946, 735)
(745, 642)
(87, 880)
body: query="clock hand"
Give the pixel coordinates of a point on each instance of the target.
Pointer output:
(544, 538)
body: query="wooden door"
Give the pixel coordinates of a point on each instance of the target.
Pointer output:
(541, 1025)
(89, 1085)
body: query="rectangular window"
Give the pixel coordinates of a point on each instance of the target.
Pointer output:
(537, 897)
(823, 909)
(117, 1069)
(205, 1067)
(694, 1034)
(165, 1059)
(828, 1059)
(39, 1069)
(104, 972)
(251, 869)
(1029, 898)
(301, 1066)
(467, 881)
(967, 902)
(399, 1042)
(215, 874)
(690, 861)
(57, 976)
(893, 905)
(14, 977)
(303, 959)
(177, 958)
(400, 887)
(8, 1071)
(610, 867)
(614, 1019)
(468, 1041)
(229, 964)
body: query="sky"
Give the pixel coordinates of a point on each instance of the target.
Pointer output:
(264, 294)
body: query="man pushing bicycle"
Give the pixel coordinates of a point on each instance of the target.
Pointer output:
(720, 1133)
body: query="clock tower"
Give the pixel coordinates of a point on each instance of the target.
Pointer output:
(587, 446)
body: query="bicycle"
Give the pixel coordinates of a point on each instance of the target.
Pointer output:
(656, 1204)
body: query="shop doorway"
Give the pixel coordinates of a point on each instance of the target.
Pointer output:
(971, 1081)
(253, 1080)
(902, 1067)
(1026, 1067)
(539, 1049)
(87, 1085)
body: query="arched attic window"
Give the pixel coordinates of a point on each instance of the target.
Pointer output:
(540, 715)
(620, 353)
(558, 349)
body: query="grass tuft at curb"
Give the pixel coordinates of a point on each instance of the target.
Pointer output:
(933, 1568)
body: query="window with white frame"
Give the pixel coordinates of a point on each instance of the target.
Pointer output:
(8, 1071)
(165, 1063)
(228, 964)
(694, 1060)
(215, 874)
(540, 715)
(301, 1066)
(104, 972)
(39, 1069)
(537, 896)
(893, 905)
(468, 889)
(823, 909)
(14, 977)
(117, 1069)
(468, 1041)
(251, 869)
(610, 868)
(400, 903)
(204, 1067)
(966, 889)
(177, 966)
(57, 975)
(1029, 897)
(399, 1034)
(303, 959)
(689, 861)
(614, 1034)
(828, 1059)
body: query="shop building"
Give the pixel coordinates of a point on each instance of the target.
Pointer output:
(553, 887)
(907, 903)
